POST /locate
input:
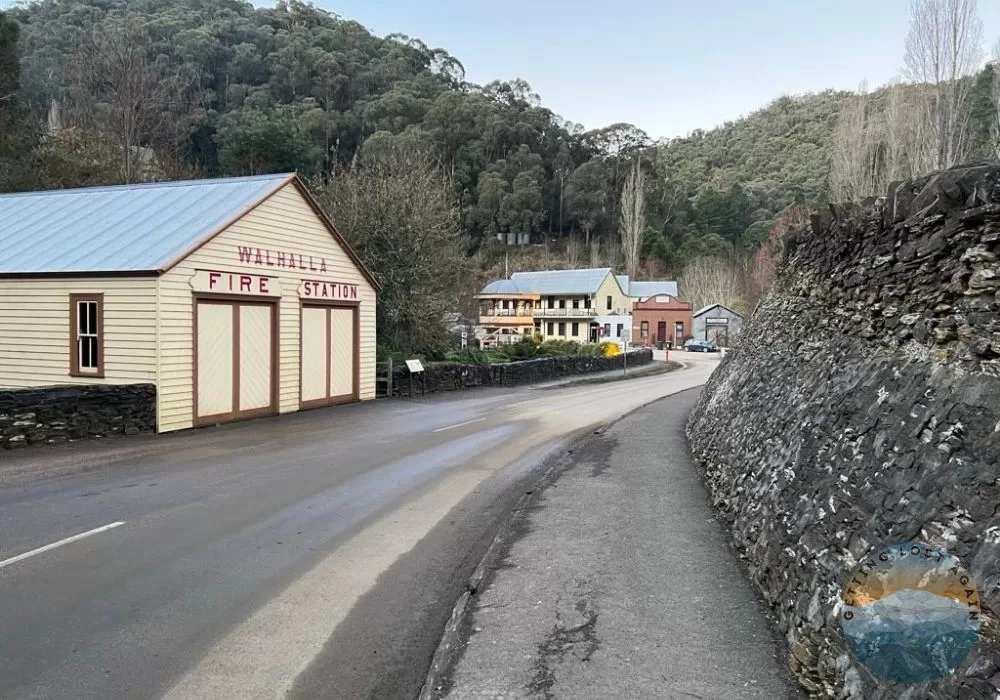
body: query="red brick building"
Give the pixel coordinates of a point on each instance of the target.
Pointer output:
(661, 319)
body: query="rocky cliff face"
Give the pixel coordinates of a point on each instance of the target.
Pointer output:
(861, 409)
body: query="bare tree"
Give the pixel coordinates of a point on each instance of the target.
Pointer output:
(399, 212)
(574, 251)
(760, 270)
(134, 101)
(633, 218)
(852, 172)
(613, 252)
(995, 121)
(908, 150)
(706, 281)
(943, 46)
(595, 252)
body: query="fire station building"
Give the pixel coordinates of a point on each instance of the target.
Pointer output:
(236, 297)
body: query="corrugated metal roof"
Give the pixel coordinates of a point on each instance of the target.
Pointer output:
(561, 281)
(501, 287)
(129, 228)
(652, 289)
(706, 309)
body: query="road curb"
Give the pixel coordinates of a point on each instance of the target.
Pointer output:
(444, 654)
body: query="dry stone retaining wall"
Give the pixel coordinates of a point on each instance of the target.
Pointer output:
(56, 414)
(448, 376)
(861, 408)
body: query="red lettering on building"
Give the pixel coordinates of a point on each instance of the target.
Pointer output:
(263, 257)
(230, 283)
(339, 291)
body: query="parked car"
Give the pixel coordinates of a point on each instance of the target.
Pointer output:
(695, 345)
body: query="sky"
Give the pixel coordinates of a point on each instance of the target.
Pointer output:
(667, 66)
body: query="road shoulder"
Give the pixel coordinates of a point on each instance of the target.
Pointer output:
(618, 582)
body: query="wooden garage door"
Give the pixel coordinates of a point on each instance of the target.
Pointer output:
(342, 342)
(329, 355)
(314, 341)
(235, 361)
(215, 359)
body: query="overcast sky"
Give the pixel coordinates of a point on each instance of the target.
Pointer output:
(667, 66)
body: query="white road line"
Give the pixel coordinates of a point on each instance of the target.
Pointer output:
(459, 425)
(60, 543)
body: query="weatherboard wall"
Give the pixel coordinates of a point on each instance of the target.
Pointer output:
(286, 223)
(35, 330)
(621, 303)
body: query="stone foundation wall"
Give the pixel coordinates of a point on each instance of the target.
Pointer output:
(449, 376)
(860, 409)
(57, 414)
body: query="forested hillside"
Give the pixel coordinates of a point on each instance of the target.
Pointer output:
(190, 88)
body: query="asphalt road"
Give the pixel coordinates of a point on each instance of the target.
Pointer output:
(315, 554)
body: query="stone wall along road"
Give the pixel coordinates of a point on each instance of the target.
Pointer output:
(54, 414)
(862, 409)
(448, 376)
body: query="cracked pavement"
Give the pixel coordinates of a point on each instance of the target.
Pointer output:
(618, 582)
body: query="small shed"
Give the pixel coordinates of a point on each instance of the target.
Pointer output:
(718, 324)
(235, 297)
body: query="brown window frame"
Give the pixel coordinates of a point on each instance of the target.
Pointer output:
(644, 330)
(576, 329)
(74, 335)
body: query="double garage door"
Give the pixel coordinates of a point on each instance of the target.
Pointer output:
(329, 355)
(236, 360)
(236, 367)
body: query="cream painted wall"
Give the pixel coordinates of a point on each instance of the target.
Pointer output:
(284, 222)
(35, 333)
(583, 329)
(621, 304)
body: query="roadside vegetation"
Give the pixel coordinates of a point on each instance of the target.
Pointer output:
(525, 349)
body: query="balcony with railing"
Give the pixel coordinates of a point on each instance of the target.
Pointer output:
(489, 316)
(565, 313)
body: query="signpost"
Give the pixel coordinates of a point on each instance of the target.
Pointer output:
(624, 355)
(417, 367)
(465, 339)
